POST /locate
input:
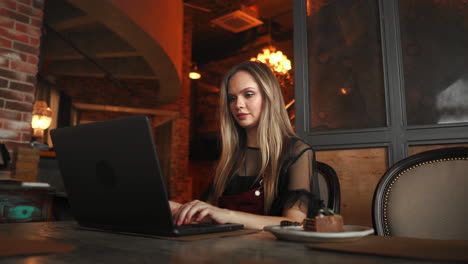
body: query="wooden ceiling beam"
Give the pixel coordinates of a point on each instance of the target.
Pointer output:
(100, 75)
(76, 22)
(97, 41)
(76, 56)
(129, 66)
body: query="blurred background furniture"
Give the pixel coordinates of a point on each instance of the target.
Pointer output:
(20, 203)
(49, 172)
(329, 186)
(61, 208)
(4, 156)
(424, 196)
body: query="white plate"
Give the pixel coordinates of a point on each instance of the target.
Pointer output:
(297, 233)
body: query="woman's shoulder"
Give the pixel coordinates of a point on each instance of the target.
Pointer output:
(298, 146)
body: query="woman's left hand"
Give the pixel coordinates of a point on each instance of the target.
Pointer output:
(174, 207)
(198, 211)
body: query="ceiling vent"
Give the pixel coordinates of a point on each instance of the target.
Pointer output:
(237, 21)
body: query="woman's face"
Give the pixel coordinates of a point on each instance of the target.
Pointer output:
(245, 99)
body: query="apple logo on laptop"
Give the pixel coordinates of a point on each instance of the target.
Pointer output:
(105, 174)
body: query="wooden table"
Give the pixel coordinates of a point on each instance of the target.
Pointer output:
(101, 247)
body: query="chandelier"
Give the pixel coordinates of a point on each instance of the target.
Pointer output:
(276, 60)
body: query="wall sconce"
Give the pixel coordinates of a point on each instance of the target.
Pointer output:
(41, 118)
(194, 74)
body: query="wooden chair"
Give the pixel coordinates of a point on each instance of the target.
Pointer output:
(329, 186)
(424, 196)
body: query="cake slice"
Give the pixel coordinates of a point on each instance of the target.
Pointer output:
(324, 223)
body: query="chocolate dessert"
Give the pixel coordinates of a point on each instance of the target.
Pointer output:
(325, 221)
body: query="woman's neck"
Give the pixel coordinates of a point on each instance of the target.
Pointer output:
(252, 137)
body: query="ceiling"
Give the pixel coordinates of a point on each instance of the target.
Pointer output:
(211, 42)
(66, 50)
(75, 44)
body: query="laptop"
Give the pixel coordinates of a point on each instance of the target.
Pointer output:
(113, 179)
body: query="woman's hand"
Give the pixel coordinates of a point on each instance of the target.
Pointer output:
(198, 211)
(174, 207)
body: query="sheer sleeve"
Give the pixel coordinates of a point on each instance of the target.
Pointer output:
(300, 172)
(295, 181)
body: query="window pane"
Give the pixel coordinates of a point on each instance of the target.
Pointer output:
(359, 172)
(345, 64)
(434, 37)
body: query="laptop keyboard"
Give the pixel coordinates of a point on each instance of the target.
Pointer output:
(200, 225)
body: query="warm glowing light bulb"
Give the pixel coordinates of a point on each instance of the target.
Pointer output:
(41, 122)
(194, 75)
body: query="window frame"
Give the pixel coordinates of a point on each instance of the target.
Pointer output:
(397, 136)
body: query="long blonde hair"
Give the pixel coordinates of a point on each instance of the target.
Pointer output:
(273, 130)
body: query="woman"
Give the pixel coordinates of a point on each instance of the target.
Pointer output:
(263, 175)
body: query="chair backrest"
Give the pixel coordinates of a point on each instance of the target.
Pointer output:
(329, 186)
(424, 196)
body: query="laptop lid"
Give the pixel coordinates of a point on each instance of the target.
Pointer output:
(113, 179)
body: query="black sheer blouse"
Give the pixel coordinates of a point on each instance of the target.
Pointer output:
(294, 182)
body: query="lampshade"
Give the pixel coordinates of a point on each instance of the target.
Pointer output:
(41, 118)
(40, 121)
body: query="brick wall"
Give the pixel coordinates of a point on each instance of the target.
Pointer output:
(20, 33)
